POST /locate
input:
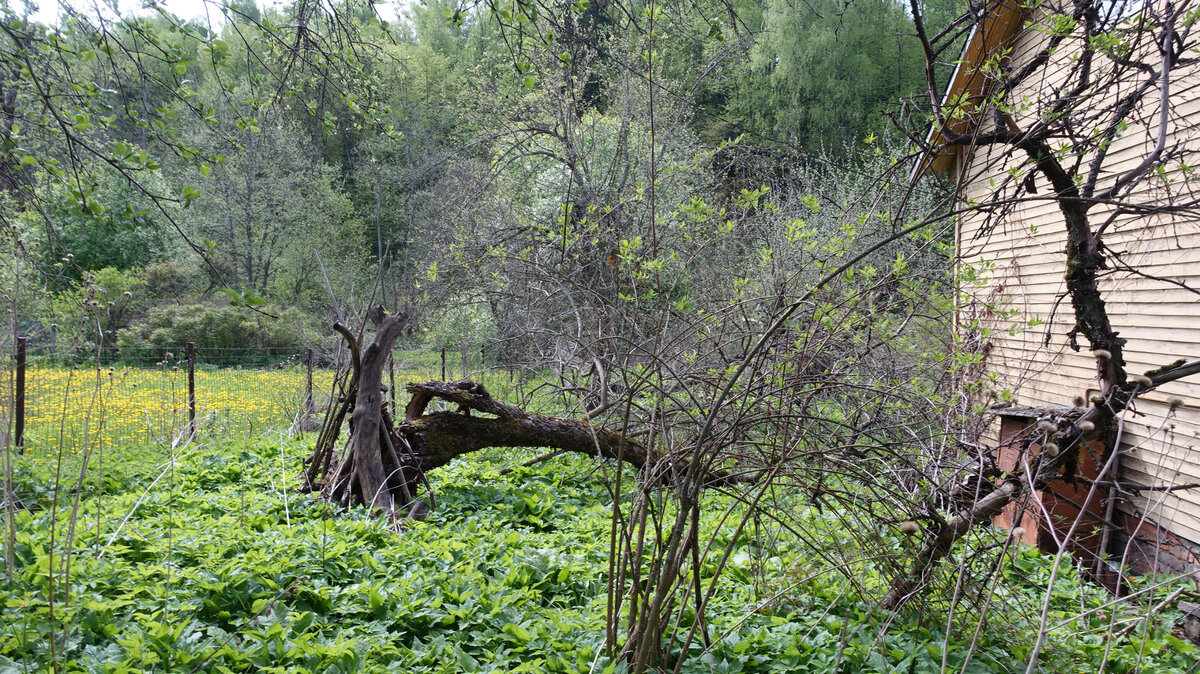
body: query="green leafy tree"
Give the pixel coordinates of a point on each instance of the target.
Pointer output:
(109, 223)
(269, 206)
(823, 74)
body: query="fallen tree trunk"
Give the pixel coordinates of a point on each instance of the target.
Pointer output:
(384, 463)
(435, 439)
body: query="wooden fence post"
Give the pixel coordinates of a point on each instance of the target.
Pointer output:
(443, 363)
(392, 378)
(308, 397)
(19, 402)
(191, 366)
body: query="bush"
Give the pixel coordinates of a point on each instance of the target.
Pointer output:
(102, 222)
(95, 309)
(220, 327)
(465, 326)
(168, 280)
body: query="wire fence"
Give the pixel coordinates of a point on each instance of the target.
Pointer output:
(67, 399)
(271, 357)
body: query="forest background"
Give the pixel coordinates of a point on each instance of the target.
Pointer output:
(291, 158)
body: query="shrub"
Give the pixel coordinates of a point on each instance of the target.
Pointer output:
(95, 309)
(168, 280)
(104, 222)
(220, 327)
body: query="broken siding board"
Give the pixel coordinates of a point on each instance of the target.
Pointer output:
(1156, 442)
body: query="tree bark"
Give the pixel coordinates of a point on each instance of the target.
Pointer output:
(905, 588)
(385, 463)
(365, 445)
(437, 438)
(369, 472)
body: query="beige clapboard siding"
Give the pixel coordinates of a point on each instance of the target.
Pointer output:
(1160, 321)
(1045, 290)
(1149, 456)
(1135, 303)
(1129, 237)
(1145, 461)
(1069, 374)
(1169, 511)
(1179, 511)
(1049, 263)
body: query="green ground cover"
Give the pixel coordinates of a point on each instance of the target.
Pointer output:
(210, 561)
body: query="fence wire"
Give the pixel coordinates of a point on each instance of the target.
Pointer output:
(74, 398)
(140, 396)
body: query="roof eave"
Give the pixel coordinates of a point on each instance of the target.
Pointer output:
(969, 85)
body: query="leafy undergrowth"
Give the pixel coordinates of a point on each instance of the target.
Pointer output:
(214, 563)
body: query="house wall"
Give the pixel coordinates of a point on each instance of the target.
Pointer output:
(1012, 265)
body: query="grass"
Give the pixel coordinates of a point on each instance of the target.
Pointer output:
(203, 557)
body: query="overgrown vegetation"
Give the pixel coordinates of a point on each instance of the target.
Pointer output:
(694, 230)
(207, 560)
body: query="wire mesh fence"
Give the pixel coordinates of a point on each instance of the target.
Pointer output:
(270, 357)
(66, 400)
(143, 396)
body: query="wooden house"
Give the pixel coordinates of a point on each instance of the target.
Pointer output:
(1015, 314)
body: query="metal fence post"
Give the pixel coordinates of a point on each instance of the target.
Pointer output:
(191, 366)
(19, 402)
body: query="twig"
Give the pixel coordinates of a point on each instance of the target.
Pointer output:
(1160, 606)
(545, 457)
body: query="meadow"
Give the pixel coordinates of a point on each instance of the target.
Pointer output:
(202, 556)
(123, 405)
(69, 407)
